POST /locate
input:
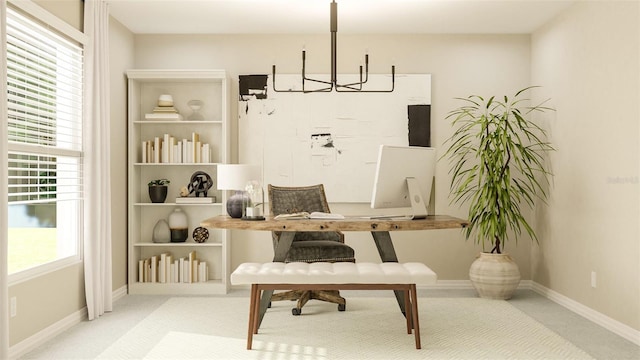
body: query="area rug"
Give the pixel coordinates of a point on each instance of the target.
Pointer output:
(370, 328)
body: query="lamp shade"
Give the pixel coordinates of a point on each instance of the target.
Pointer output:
(236, 176)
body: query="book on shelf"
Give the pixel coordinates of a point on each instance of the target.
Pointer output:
(194, 200)
(166, 116)
(154, 269)
(141, 271)
(175, 270)
(165, 109)
(164, 268)
(163, 274)
(182, 278)
(169, 150)
(203, 271)
(190, 266)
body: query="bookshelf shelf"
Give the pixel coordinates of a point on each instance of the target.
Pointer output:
(144, 89)
(174, 204)
(175, 164)
(177, 122)
(200, 288)
(185, 244)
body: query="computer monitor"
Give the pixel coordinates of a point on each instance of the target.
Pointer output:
(404, 178)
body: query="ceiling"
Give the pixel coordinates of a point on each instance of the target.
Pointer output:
(354, 16)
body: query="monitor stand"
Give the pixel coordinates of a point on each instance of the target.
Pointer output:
(418, 207)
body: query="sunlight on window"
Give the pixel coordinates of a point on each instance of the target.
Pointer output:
(32, 236)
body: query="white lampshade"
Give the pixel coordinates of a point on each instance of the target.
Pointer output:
(236, 176)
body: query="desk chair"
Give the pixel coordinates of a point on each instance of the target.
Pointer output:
(308, 246)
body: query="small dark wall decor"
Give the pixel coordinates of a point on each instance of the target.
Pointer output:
(253, 86)
(419, 125)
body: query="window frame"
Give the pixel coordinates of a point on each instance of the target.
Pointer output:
(34, 11)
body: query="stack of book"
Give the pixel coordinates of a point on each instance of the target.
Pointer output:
(164, 111)
(195, 200)
(164, 268)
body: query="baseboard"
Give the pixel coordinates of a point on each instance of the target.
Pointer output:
(448, 285)
(606, 322)
(48, 333)
(119, 293)
(466, 285)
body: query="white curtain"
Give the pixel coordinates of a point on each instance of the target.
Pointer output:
(97, 234)
(4, 237)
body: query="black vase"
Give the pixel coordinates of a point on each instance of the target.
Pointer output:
(158, 193)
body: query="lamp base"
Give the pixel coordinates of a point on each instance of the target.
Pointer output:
(234, 205)
(253, 218)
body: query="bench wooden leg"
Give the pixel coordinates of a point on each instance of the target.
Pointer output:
(253, 314)
(257, 308)
(407, 306)
(414, 313)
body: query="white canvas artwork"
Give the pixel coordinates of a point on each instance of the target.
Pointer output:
(329, 138)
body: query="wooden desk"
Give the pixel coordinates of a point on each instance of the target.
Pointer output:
(379, 229)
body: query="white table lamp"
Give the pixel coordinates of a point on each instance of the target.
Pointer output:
(235, 177)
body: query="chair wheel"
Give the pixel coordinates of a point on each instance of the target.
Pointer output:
(296, 311)
(269, 306)
(342, 307)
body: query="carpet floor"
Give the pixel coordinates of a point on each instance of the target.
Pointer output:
(371, 328)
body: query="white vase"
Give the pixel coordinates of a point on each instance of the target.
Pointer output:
(494, 276)
(179, 226)
(161, 232)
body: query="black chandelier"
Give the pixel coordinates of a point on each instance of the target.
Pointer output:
(333, 84)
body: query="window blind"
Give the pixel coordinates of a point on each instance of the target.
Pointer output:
(44, 71)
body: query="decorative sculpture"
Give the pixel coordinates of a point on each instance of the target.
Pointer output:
(200, 183)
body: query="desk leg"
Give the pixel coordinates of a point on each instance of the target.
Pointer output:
(279, 255)
(385, 246)
(388, 254)
(283, 246)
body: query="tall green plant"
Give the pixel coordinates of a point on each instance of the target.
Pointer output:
(497, 163)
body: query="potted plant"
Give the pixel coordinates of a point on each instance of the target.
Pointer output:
(497, 158)
(158, 190)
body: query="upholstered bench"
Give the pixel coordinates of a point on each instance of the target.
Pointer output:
(334, 276)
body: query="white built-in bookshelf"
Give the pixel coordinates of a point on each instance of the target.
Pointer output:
(174, 148)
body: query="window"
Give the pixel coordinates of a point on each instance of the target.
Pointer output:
(45, 112)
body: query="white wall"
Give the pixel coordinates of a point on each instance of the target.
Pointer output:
(588, 59)
(121, 42)
(460, 66)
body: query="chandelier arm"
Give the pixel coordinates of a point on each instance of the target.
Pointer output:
(366, 74)
(303, 90)
(358, 84)
(325, 89)
(273, 78)
(346, 88)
